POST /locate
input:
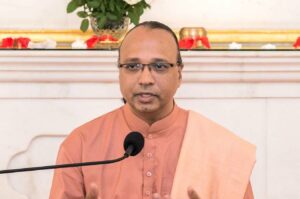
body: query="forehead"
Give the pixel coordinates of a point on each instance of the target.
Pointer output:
(144, 42)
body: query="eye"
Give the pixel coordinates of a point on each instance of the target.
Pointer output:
(160, 66)
(132, 66)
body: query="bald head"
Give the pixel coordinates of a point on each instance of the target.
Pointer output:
(149, 27)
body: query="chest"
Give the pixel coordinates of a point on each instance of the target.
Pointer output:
(151, 171)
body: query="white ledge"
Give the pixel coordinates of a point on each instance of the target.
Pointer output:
(100, 66)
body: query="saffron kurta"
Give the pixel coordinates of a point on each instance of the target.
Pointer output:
(151, 171)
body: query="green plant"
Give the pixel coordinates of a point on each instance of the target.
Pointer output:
(107, 10)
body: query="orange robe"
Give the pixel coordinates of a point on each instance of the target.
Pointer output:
(152, 170)
(215, 162)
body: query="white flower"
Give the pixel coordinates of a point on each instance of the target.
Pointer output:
(268, 46)
(79, 44)
(235, 45)
(48, 44)
(132, 2)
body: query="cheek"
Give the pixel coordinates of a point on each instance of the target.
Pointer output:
(126, 85)
(168, 87)
(122, 84)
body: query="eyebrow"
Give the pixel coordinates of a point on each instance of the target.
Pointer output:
(137, 60)
(158, 60)
(133, 60)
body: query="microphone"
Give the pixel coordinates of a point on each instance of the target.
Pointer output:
(133, 144)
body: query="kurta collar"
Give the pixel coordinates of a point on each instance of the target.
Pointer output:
(156, 129)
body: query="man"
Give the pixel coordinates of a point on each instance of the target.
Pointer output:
(185, 155)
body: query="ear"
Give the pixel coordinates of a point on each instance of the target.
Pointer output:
(180, 71)
(179, 76)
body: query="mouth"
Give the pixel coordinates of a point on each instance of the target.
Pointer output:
(145, 97)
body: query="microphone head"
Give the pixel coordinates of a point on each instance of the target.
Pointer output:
(136, 141)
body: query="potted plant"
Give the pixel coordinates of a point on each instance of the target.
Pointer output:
(106, 14)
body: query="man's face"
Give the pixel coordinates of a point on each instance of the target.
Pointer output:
(149, 94)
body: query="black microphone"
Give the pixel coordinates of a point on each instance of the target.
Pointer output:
(133, 144)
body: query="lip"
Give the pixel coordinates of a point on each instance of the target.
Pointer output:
(145, 97)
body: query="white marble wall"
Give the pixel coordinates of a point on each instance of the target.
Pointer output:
(46, 94)
(212, 14)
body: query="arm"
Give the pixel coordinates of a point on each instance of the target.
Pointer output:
(68, 182)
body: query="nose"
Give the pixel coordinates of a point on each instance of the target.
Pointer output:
(146, 77)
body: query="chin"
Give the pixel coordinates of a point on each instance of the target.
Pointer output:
(145, 108)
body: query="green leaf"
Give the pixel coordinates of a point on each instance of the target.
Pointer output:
(72, 6)
(118, 8)
(139, 8)
(98, 15)
(81, 2)
(111, 5)
(84, 25)
(102, 7)
(82, 14)
(101, 21)
(134, 15)
(111, 16)
(93, 4)
(134, 19)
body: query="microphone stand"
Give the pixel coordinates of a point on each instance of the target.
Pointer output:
(133, 144)
(126, 155)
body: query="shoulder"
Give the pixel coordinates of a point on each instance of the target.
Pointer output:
(91, 129)
(218, 136)
(224, 160)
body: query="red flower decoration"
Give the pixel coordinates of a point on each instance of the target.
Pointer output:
(297, 43)
(91, 42)
(187, 43)
(204, 41)
(111, 38)
(190, 42)
(103, 37)
(22, 42)
(7, 42)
